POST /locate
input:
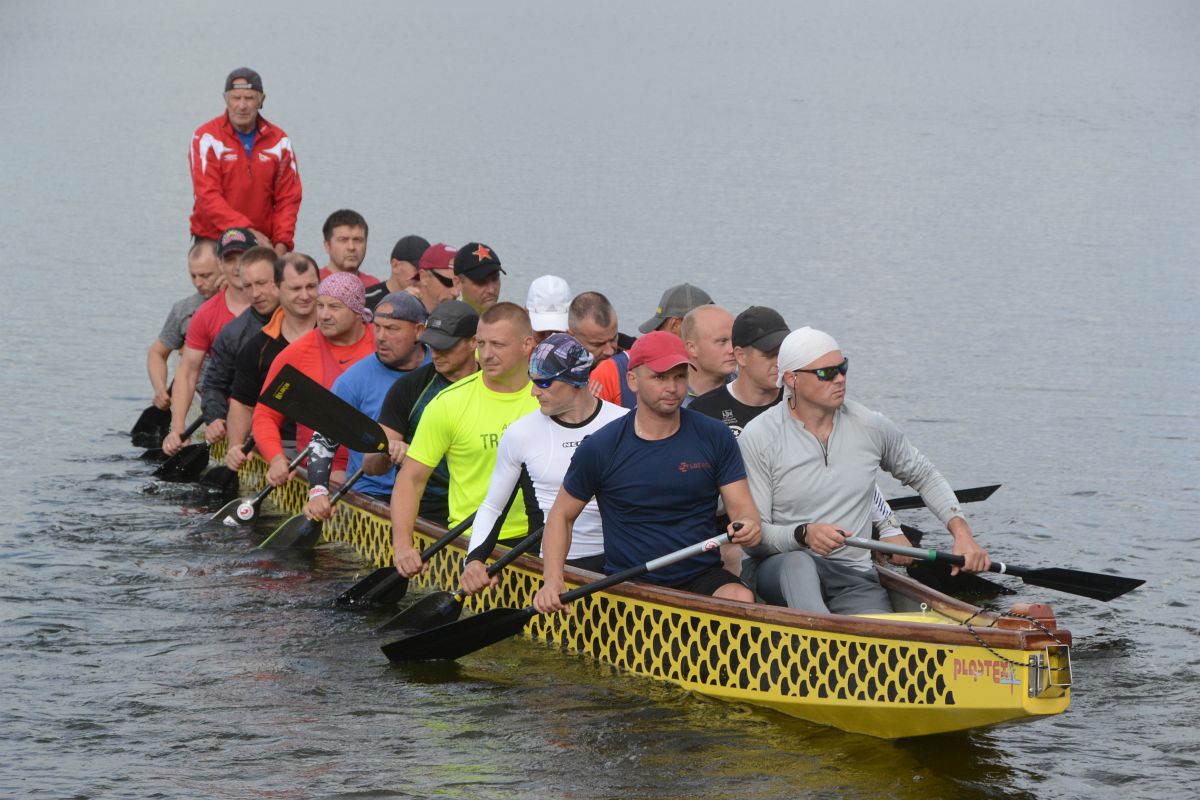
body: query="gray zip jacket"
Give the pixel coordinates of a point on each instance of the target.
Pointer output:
(794, 479)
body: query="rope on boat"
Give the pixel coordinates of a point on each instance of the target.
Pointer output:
(979, 639)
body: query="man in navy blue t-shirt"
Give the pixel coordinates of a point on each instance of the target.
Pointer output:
(656, 475)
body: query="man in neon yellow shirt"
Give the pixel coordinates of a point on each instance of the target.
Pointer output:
(464, 423)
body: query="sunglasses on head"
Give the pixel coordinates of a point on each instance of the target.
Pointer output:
(829, 373)
(442, 279)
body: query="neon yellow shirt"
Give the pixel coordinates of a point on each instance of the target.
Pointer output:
(464, 423)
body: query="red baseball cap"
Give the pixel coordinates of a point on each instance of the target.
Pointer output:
(437, 256)
(660, 351)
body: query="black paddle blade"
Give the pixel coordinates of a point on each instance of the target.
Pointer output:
(296, 533)
(383, 587)
(972, 495)
(1095, 585)
(153, 454)
(439, 608)
(299, 397)
(151, 427)
(936, 575)
(457, 639)
(186, 465)
(221, 479)
(238, 511)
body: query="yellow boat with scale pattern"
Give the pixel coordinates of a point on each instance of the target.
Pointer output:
(935, 666)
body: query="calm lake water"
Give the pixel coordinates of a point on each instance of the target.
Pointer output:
(992, 207)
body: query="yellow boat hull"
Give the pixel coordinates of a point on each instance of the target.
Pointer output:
(913, 673)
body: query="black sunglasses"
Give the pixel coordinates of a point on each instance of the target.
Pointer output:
(544, 383)
(829, 373)
(442, 279)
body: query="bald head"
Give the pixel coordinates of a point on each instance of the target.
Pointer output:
(707, 333)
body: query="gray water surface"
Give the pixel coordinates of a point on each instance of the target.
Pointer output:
(992, 206)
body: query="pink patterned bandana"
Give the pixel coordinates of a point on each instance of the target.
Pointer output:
(349, 290)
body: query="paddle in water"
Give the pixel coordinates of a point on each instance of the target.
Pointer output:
(972, 495)
(151, 427)
(301, 533)
(221, 478)
(243, 511)
(187, 464)
(457, 639)
(385, 586)
(1095, 585)
(441, 608)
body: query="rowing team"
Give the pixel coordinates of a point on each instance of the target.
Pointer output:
(523, 415)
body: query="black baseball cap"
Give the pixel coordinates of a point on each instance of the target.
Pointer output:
(410, 249)
(476, 261)
(761, 328)
(448, 324)
(243, 78)
(235, 240)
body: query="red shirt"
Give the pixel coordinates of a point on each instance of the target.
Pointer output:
(319, 359)
(233, 191)
(367, 280)
(212, 315)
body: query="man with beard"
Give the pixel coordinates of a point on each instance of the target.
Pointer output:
(399, 322)
(343, 336)
(464, 424)
(296, 278)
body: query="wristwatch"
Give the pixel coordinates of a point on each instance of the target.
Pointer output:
(801, 534)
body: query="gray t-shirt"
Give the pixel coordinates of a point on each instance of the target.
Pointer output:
(174, 330)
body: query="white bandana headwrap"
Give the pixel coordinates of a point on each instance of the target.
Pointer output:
(802, 347)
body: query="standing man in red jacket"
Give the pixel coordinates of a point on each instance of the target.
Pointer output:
(244, 169)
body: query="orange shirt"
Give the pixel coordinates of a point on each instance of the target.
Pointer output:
(605, 383)
(320, 360)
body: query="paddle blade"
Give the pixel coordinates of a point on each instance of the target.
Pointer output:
(296, 533)
(186, 465)
(972, 495)
(439, 608)
(151, 427)
(1095, 585)
(221, 479)
(239, 511)
(153, 454)
(299, 397)
(382, 587)
(457, 639)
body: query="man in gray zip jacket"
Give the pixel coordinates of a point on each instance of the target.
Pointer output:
(812, 463)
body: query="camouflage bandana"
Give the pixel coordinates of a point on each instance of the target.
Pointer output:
(560, 357)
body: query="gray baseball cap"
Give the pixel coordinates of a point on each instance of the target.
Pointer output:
(448, 324)
(676, 302)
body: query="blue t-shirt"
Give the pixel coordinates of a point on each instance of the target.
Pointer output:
(656, 497)
(363, 385)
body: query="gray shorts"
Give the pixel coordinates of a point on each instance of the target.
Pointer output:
(801, 579)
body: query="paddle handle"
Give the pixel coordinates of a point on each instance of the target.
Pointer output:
(522, 547)
(266, 490)
(641, 569)
(928, 555)
(190, 429)
(345, 487)
(447, 538)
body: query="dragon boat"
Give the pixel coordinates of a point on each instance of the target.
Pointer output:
(935, 665)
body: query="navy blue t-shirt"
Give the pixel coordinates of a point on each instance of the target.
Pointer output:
(656, 497)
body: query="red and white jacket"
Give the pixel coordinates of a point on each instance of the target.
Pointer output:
(230, 191)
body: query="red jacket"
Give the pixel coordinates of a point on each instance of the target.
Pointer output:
(231, 192)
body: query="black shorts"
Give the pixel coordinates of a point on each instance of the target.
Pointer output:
(590, 563)
(708, 582)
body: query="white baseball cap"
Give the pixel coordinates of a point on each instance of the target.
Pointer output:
(547, 302)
